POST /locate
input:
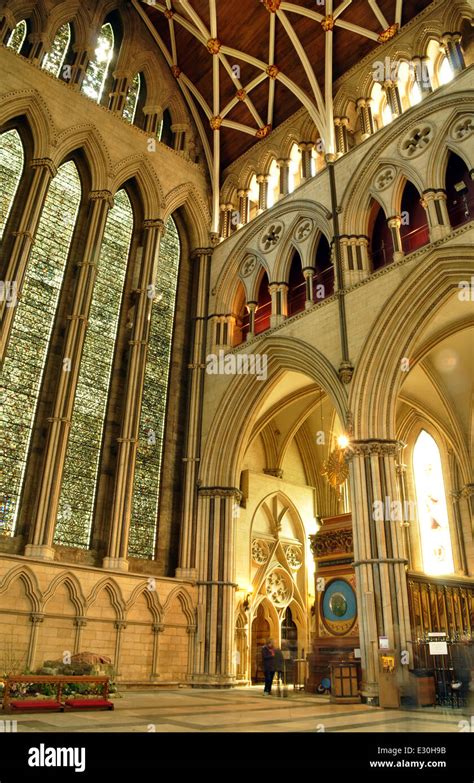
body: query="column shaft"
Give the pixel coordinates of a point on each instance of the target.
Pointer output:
(43, 173)
(128, 440)
(60, 422)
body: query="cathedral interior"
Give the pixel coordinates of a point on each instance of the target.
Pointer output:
(237, 298)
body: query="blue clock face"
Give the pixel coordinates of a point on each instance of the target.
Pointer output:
(339, 607)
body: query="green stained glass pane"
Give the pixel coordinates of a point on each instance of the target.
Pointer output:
(143, 529)
(34, 318)
(79, 483)
(98, 68)
(17, 36)
(54, 59)
(11, 167)
(132, 99)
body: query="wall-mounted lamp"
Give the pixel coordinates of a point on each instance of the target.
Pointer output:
(247, 599)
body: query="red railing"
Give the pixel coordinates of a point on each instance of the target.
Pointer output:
(415, 239)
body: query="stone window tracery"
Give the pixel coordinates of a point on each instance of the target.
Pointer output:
(98, 68)
(17, 36)
(84, 447)
(143, 526)
(53, 61)
(131, 100)
(30, 336)
(12, 161)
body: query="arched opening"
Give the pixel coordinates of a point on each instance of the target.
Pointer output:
(273, 184)
(323, 280)
(12, 159)
(414, 231)
(131, 99)
(99, 73)
(165, 134)
(381, 245)
(147, 479)
(289, 644)
(431, 505)
(459, 191)
(296, 286)
(295, 168)
(242, 316)
(78, 491)
(253, 197)
(31, 332)
(54, 60)
(17, 38)
(260, 634)
(264, 306)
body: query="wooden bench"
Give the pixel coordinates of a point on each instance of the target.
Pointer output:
(57, 703)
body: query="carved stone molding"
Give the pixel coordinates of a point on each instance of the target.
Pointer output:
(303, 230)
(271, 236)
(248, 265)
(220, 492)
(367, 448)
(384, 177)
(416, 140)
(332, 542)
(294, 556)
(279, 588)
(260, 551)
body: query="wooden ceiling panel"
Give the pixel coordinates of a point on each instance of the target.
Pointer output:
(245, 26)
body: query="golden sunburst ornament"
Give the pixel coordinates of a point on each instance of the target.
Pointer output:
(335, 468)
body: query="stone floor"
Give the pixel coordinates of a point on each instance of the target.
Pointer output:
(241, 710)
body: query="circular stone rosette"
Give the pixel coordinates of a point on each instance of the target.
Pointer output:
(260, 551)
(279, 588)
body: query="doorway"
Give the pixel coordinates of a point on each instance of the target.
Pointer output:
(260, 634)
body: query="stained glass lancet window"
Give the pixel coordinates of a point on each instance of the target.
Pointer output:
(143, 528)
(54, 59)
(77, 498)
(12, 159)
(98, 68)
(26, 355)
(431, 504)
(131, 100)
(17, 36)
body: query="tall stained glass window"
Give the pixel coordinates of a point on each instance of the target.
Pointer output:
(432, 510)
(17, 36)
(53, 61)
(77, 498)
(143, 528)
(131, 100)
(12, 159)
(98, 68)
(34, 318)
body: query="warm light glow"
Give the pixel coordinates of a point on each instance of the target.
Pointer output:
(431, 503)
(445, 72)
(342, 441)
(415, 94)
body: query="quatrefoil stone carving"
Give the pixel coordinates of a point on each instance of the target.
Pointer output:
(385, 178)
(271, 237)
(416, 141)
(303, 230)
(463, 128)
(248, 265)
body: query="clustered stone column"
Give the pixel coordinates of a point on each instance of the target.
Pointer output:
(308, 274)
(279, 294)
(394, 224)
(119, 91)
(187, 558)
(129, 435)
(422, 74)
(226, 217)
(43, 172)
(392, 93)
(38, 47)
(262, 180)
(434, 200)
(79, 66)
(153, 118)
(179, 136)
(454, 53)
(342, 144)
(244, 207)
(41, 544)
(364, 106)
(284, 167)
(224, 327)
(252, 307)
(355, 257)
(379, 560)
(216, 588)
(306, 149)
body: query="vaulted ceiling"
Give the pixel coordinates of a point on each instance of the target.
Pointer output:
(245, 66)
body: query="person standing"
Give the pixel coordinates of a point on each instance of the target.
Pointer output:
(268, 662)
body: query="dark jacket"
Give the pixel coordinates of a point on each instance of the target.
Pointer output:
(268, 658)
(278, 660)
